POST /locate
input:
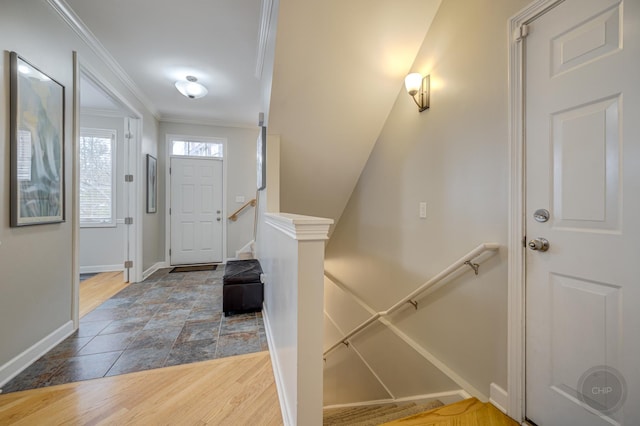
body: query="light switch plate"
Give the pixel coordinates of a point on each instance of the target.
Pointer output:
(423, 210)
(239, 198)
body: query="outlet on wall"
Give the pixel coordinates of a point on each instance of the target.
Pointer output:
(423, 210)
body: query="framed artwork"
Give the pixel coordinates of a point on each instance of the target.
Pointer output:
(37, 145)
(152, 184)
(262, 159)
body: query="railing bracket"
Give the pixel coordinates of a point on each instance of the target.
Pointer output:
(414, 304)
(346, 343)
(473, 266)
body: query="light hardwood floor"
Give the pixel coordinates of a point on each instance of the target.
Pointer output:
(97, 289)
(228, 391)
(469, 412)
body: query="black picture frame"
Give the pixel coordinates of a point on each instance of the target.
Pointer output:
(37, 138)
(152, 184)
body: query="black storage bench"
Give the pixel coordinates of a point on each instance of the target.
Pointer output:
(242, 289)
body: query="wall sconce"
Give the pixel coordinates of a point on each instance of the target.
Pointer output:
(418, 86)
(191, 88)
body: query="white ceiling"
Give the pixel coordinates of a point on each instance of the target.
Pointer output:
(157, 42)
(338, 68)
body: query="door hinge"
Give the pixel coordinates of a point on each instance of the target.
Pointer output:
(524, 241)
(169, 170)
(128, 136)
(128, 264)
(128, 221)
(169, 210)
(169, 252)
(128, 178)
(521, 32)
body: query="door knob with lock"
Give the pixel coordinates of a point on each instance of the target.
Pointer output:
(539, 244)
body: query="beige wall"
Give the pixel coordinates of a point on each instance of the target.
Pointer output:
(453, 157)
(36, 261)
(241, 173)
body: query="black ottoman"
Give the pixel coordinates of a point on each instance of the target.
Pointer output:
(242, 289)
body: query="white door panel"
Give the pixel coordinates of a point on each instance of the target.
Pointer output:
(196, 210)
(582, 139)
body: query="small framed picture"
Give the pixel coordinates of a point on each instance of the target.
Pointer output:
(152, 184)
(37, 145)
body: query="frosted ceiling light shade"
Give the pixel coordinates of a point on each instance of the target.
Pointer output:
(191, 88)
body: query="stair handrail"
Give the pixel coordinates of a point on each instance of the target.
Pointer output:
(235, 214)
(466, 260)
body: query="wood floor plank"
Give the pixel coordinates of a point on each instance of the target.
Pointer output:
(96, 290)
(235, 391)
(469, 412)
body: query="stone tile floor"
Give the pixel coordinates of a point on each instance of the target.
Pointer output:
(168, 319)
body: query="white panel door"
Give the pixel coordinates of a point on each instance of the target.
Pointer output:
(582, 84)
(196, 210)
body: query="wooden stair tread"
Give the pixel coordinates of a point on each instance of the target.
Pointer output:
(371, 415)
(469, 412)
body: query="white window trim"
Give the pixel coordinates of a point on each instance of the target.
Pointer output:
(113, 135)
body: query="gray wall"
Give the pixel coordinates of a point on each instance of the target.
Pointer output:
(241, 177)
(453, 157)
(36, 261)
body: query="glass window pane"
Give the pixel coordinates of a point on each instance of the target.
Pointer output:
(96, 177)
(196, 148)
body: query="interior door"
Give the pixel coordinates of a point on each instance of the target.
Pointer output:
(582, 120)
(196, 210)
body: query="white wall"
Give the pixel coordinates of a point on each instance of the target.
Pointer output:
(102, 248)
(241, 176)
(36, 261)
(453, 157)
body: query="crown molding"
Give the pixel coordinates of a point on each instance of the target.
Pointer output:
(204, 122)
(76, 24)
(263, 35)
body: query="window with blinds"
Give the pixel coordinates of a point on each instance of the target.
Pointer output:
(97, 177)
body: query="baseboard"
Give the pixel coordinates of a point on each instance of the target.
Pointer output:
(277, 370)
(14, 367)
(101, 268)
(498, 397)
(159, 265)
(444, 397)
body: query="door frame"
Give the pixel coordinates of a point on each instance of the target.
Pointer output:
(167, 186)
(80, 67)
(517, 195)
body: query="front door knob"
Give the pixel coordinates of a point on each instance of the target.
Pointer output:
(539, 244)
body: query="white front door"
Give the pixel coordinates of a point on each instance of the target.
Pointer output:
(196, 210)
(582, 139)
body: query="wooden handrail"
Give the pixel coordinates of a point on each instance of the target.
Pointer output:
(463, 261)
(235, 214)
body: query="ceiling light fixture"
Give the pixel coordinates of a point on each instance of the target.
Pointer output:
(191, 88)
(418, 85)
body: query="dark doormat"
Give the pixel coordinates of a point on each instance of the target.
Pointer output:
(194, 268)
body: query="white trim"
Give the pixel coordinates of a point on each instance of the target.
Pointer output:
(445, 397)
(263, 37)
(444, 369)
(101, 268)
(515, 405)
(498, 397)
(75, 196)
(167, 187)
(298, 227)
(149, 271)
(277, 371)
(204, 122)
(364, 361)
(23, 360)
(101, 112)
(76, 24)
